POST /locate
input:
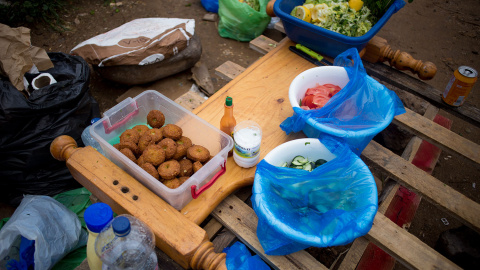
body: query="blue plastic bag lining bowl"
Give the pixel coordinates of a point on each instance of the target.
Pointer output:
(354, 115)
(320, 39)
(330, 206)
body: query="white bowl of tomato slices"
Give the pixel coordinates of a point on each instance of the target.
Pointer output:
(314, 87)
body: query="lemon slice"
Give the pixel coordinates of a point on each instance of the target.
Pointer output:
(303, 13)
(355, 4)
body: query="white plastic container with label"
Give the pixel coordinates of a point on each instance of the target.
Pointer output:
(247, 137)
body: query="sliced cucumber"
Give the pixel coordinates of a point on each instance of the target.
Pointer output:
(320, 162)
(299, 160)
(307, 167)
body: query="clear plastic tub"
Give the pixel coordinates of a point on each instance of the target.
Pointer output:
(133, 111)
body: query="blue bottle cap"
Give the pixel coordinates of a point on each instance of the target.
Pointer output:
(97, 216)
(121, 226)
(94, 120)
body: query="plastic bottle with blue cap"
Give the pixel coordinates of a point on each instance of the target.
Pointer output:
(126, 243)
(96, 217)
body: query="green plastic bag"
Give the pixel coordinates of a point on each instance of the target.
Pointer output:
(240, 21)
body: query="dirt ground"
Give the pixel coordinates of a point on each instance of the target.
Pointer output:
(445, 32)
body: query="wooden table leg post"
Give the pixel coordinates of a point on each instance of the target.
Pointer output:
(181, 239)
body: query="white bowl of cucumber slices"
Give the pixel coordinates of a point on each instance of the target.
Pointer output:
(304, 154)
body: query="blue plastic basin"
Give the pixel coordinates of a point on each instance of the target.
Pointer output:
(319, 39)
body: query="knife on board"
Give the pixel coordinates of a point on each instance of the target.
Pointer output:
(310, 55)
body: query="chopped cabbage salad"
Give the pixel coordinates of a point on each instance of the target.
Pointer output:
(337, 16)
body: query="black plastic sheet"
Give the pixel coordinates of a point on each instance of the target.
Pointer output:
(29, 125)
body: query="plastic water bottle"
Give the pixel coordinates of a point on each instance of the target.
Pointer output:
(126, 243)
(97, 216)
(87, 138)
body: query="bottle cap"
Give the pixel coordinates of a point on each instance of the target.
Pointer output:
(121, 226)
(94, 120)
(97, 216)
(228, 101)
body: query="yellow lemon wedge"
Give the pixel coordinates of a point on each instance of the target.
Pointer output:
(303, 13)
(355, 4)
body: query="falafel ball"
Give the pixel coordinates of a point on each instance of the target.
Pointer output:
(141, 129)
(182, 145)
(149, 168)
(186, 167)
(156, 134)
(181, 152)
(198, 153)
(130, 135)
(172, 183)
(154, 154)
(197, 165)
(172, 131)
(155, 119)
(170, 147)
(169, 169)
(129, 154)
(140, 161)
(145, 141)
(130, 145)
(185, 141)
(183, 179)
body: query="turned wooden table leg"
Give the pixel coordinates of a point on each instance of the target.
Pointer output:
(181, 239)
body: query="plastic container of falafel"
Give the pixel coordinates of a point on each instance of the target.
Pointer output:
(133, 111)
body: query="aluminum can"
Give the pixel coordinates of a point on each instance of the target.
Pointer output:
(459, 86)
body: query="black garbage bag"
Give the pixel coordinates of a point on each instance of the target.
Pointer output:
(29, 125)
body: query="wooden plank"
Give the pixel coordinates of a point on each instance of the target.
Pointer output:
(263, 44)
(438, 135)
(467, 111)
(354, 254)
(428, 186)
(224, 239)
(190, 100)
(406, 248)
(279, 27)
(360, 244)
(229, 70)
(213, 226)
(181, 239)
(239, 218)
(404, 204)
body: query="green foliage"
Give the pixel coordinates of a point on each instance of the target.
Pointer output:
(32, 11)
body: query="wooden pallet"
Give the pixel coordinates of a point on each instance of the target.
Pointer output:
(384, 233)
(260, 94)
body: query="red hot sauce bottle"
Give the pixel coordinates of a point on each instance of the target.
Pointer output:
(227, 123)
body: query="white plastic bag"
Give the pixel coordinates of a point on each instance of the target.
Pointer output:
(139, 42)
(55, 229)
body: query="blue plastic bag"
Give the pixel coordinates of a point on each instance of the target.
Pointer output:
(239, 258)
(210, 5)
(362, 109)
(329, 206)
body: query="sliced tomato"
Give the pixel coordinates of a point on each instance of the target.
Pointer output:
(320, 100)
(308, 101)
(316, 97)
(332, 88)
(305, 107)
(317, 90)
